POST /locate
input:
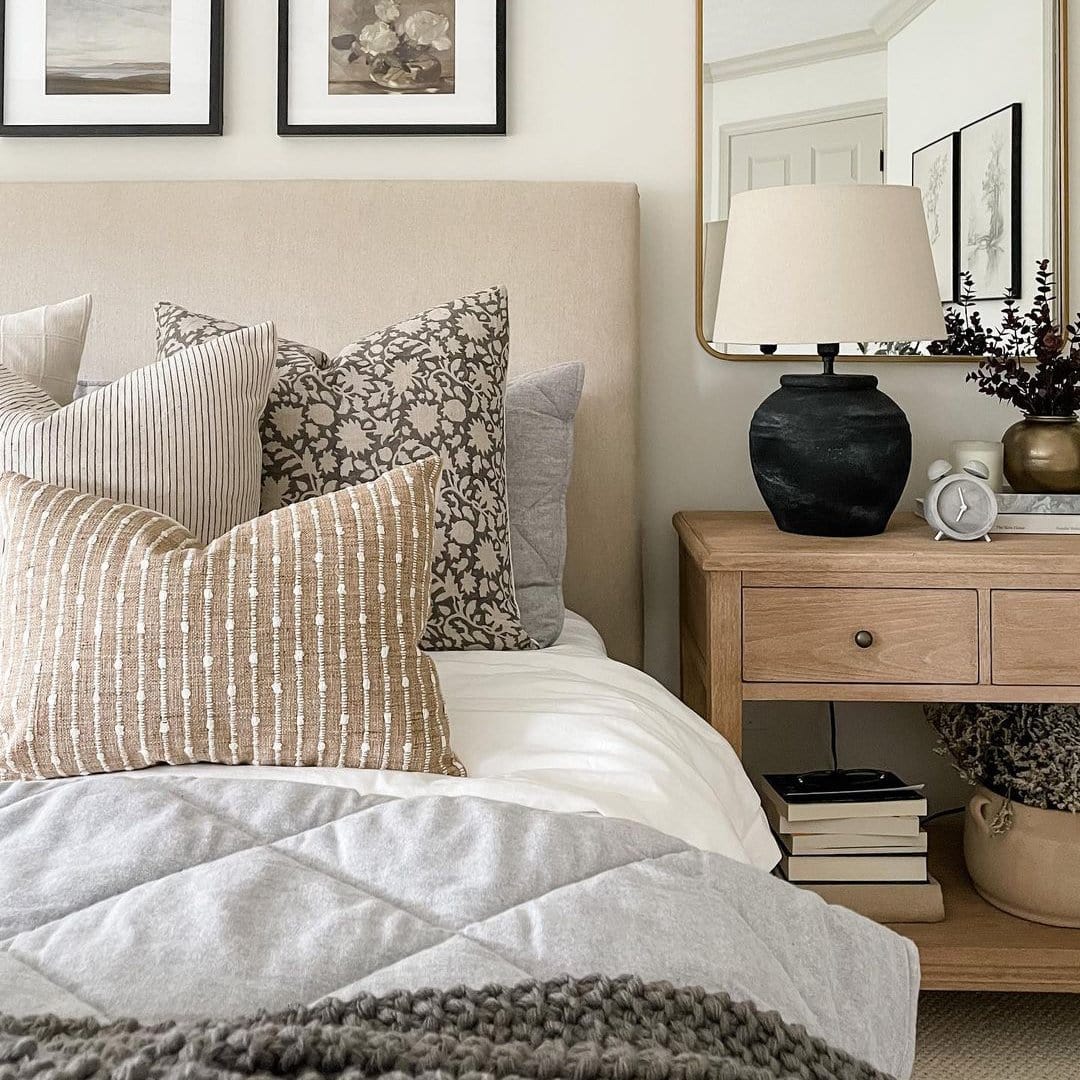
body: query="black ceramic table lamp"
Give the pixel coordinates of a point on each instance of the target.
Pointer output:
(830, 453)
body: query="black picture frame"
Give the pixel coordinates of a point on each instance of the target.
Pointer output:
(285, 128)
(213, 126)
(953, 141)
(1014, 228)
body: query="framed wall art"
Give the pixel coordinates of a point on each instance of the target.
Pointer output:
(934, 171)
(82, 67)
(990, 206)
(392, 67)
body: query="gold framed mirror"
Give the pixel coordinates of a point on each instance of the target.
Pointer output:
(967, 101)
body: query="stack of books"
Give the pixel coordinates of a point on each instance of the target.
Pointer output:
(862, 848)
(1032, 513)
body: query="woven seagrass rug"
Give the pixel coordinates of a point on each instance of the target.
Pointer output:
(998, 1037)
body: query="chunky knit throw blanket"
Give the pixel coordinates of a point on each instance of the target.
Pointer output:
(607, 1029)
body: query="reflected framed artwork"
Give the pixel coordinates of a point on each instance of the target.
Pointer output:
(83, 67)
(392, 67)
(990, 206)
(934, 172)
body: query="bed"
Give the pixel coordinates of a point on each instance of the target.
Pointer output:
(603, 829)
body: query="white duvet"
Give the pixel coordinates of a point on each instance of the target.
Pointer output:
(568, 729)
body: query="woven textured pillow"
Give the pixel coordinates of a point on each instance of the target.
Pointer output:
(124, 643)
(46, 345)
(431, 384)
(180, 437)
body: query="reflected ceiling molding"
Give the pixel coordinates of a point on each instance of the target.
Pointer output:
(896, 16)
(888, 23)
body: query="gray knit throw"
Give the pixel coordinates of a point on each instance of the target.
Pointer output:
(584, 1029)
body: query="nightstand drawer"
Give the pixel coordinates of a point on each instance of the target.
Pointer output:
(861, 635)
(1036, 637)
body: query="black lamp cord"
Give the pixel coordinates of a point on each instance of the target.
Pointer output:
(832, 736)
(836, 767)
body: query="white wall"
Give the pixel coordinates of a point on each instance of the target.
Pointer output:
(601, 89)
(953, 65)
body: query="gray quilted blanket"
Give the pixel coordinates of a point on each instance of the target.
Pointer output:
(180, 898)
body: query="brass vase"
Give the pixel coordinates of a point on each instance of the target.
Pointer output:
(1042, 455)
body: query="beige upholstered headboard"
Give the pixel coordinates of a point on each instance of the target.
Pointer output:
(331, 260)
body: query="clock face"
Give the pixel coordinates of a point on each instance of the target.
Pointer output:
(966, 508)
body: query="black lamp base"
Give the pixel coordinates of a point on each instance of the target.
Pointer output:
(831, 454)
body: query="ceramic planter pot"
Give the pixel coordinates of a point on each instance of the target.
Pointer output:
(1033, 869)
(1042, 455)
(831, 455)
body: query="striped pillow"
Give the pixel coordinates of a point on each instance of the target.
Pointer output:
(292, 640)
(180, 437)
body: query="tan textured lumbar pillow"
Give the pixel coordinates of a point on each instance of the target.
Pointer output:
(292, 640)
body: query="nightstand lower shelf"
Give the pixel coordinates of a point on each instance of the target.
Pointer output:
(770, 616)
(978, 947)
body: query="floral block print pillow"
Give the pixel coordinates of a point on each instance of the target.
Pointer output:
(431, 384)
(178, 329)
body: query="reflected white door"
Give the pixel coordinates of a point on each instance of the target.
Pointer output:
(847, 151)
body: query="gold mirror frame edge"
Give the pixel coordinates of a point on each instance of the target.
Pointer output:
(1061, 166)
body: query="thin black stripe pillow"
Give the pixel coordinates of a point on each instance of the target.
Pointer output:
(180, 437)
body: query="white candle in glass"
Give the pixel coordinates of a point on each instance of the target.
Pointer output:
(989, 453)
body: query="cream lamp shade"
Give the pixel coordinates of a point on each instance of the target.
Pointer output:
(828, 263)
(712, 266)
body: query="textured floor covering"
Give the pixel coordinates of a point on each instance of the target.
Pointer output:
(998, 1037)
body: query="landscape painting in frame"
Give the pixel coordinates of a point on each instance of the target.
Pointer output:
(990, 203)
(111, 67)
(934, 173)
(408, 67)
(93, 47)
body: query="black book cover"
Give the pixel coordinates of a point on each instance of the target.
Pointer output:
(891, 788)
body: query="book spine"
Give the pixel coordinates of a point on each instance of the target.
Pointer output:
(1041, 524)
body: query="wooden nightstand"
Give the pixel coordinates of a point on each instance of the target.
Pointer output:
(768, 616)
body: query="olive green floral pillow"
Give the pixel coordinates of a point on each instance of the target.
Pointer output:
(431, 384)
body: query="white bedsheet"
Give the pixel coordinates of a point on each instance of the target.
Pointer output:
(570, 730)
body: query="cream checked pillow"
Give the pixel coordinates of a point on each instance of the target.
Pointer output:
(46, 345)
(293, 640)
(180, 437)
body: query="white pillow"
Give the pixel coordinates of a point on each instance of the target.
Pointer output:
(180, 437)
(46, 345)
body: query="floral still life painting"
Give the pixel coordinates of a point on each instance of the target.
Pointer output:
(392, 67)
(391, 46)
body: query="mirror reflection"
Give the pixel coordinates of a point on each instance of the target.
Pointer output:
(928, 93)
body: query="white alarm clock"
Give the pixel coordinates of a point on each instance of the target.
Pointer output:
(961, 505)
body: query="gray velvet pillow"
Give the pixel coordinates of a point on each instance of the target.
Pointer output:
(540, 412)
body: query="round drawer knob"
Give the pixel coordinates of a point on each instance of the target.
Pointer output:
(864, 639)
